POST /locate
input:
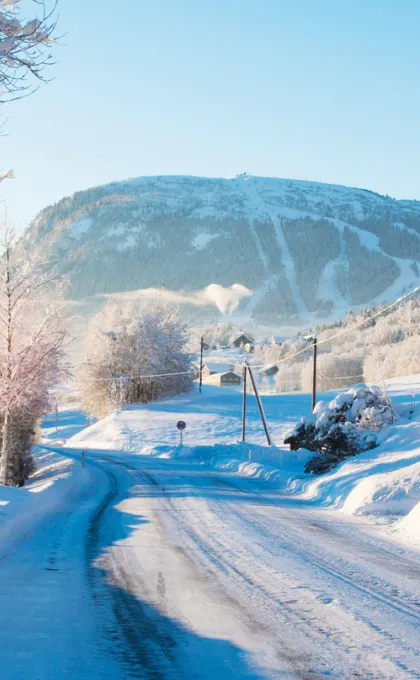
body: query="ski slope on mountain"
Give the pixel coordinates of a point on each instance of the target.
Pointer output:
(300, 250)
(214, 559)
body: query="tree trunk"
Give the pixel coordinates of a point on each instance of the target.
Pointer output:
(5, 452)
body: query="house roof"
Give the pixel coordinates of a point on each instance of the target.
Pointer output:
(244, 335)
(218, 368)
(271, 368)
(219, 376)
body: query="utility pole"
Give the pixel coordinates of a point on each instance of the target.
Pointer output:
(201, 362)
(244, 403)
(260, 406)
(315, 349)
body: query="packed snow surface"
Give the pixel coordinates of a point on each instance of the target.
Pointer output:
(215, 559)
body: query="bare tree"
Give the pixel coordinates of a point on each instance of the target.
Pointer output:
(25, 47)
(31, 351)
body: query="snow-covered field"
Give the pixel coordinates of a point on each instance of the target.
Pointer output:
(214, 559)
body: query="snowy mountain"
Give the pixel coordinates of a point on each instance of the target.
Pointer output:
(271, 249)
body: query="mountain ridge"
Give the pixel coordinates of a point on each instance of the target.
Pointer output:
(302, 248)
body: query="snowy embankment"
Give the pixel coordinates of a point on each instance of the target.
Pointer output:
(55, 477)
(382, 484)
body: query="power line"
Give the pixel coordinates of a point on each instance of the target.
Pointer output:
(342, 332)
(140, 377)
(279, 361)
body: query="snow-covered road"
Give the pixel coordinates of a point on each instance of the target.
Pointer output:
(154, 567)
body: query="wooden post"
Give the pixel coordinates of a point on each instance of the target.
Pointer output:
(201, 363)
(260, 406)
(315, 347)
(244, 404)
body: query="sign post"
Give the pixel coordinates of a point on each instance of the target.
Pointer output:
(181, 425)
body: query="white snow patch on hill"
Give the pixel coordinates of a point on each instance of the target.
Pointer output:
(79, 228)
(203, 239)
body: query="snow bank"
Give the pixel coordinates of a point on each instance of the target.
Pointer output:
(54, 477)
(382, 482)
(265, 462)
(268, 463)
(21, 507)
(408, 528)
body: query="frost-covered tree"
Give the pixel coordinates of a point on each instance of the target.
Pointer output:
(288, 378)
(333, 372)
(134, 354)
(26, 37)
(31, 352)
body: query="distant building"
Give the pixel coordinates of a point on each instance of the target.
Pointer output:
(224, 379)
(243, 340)
(269, 370)
(213, 368)
(276, 340)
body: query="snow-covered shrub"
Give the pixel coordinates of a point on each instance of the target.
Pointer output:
(333, 372)
(288, 377)
(341, 428)
(134, 355)
(394, 360)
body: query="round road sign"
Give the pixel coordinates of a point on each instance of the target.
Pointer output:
(181, 425)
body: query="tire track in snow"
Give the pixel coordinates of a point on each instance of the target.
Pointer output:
(298, 549)
(255, 591)
(216, 553)
(137, 641)
(256, 627)
(411, 608)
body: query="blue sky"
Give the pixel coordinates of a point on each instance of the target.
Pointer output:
(326, 90)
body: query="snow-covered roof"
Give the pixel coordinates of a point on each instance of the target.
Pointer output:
(270, 368)
(279, 339)
(215, 377)
(215, 367)
(242, 337)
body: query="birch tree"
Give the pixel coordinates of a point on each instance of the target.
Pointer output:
(25, 46)
(31, 352)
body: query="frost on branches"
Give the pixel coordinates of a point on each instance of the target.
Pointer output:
(341, 428)
(31, 353)
(25, 43)
(126, 344)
